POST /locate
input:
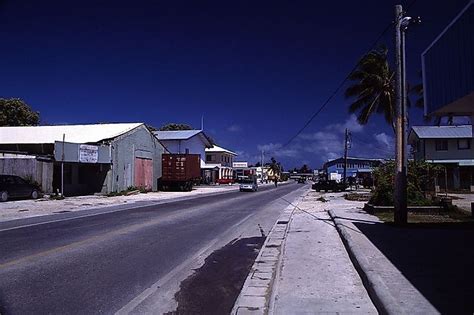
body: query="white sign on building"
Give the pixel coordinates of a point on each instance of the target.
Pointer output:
(240, 164)
(88, 153)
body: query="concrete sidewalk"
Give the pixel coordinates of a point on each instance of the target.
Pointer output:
(304, 268)
(316, 273)
(329, 256)
(390, 290)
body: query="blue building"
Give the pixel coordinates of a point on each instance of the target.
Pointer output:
(359, 168)
(448, 68)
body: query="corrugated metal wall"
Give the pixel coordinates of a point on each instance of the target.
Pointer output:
(139, 143)
(448, 65)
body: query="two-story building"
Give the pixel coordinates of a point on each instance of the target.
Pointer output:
(356, 167)
(218, 168)
(185, 142)
(449, 146)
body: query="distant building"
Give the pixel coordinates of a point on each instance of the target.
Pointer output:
(242, 170)
(448, 68)
(218, 168)
(356, 167)
(97, 158)
(449, 146)
(185, 141)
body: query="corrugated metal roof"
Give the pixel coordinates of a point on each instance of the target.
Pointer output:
(182, 135)
(176, 134)
(216, 148)
(73, 133)
(437, 132)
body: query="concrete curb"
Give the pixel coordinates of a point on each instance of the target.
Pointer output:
(256, 293)
(376, 287)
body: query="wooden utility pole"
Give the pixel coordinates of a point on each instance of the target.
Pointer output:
(346, 140)
(400, 215)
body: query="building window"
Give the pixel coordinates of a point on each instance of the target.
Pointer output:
(186, 151)
(441, 145)
(208, 158)
(464, 144)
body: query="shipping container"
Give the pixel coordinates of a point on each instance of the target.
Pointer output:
(180, 171)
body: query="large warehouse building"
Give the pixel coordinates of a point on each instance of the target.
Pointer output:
(86, 159)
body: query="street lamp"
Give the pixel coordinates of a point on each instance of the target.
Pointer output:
(401, 25)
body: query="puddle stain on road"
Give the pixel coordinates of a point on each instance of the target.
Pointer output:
(214, 288)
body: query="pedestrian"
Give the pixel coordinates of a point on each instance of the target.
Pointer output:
(276, 182)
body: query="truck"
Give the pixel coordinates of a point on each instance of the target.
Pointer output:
(329, 185)
(180, 171)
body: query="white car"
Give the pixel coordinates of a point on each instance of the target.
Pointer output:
(248, 185)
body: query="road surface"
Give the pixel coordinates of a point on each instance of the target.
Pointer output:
(126, 260)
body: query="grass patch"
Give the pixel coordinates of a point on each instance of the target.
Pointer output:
(357, 197)
(452, 216)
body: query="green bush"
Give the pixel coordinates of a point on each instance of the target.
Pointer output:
(420, 179)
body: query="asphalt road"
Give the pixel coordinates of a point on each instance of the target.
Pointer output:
(98, 264)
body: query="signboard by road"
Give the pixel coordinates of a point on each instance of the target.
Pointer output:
(81, 153)
(88, 153)
(240, 164)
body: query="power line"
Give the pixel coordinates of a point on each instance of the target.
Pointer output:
(339, 86)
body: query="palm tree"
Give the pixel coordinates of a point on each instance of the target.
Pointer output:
(373, 87)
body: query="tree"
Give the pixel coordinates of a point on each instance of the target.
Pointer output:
(304, 169)
(15, 112)
(174, 126)
(420, 182)
(275, 167)
(373, 89)
(151, 128)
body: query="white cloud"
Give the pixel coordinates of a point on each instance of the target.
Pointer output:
(384, 139)
(328, 143)
(277, 150)
(234, 128)
(351, 123)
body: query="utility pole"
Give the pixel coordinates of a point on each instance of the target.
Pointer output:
(400, 200)
(62, 166)
(346, 141)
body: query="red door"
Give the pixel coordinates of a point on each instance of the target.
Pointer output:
(144, 173)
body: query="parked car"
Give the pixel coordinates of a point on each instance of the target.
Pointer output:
(16, 187)
(248, 185)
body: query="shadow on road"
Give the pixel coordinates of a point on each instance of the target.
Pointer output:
(438, 259)
(214, 287)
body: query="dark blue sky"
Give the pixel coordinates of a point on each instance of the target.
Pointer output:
(256, 70)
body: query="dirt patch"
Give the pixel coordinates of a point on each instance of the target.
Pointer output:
(214, 287)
